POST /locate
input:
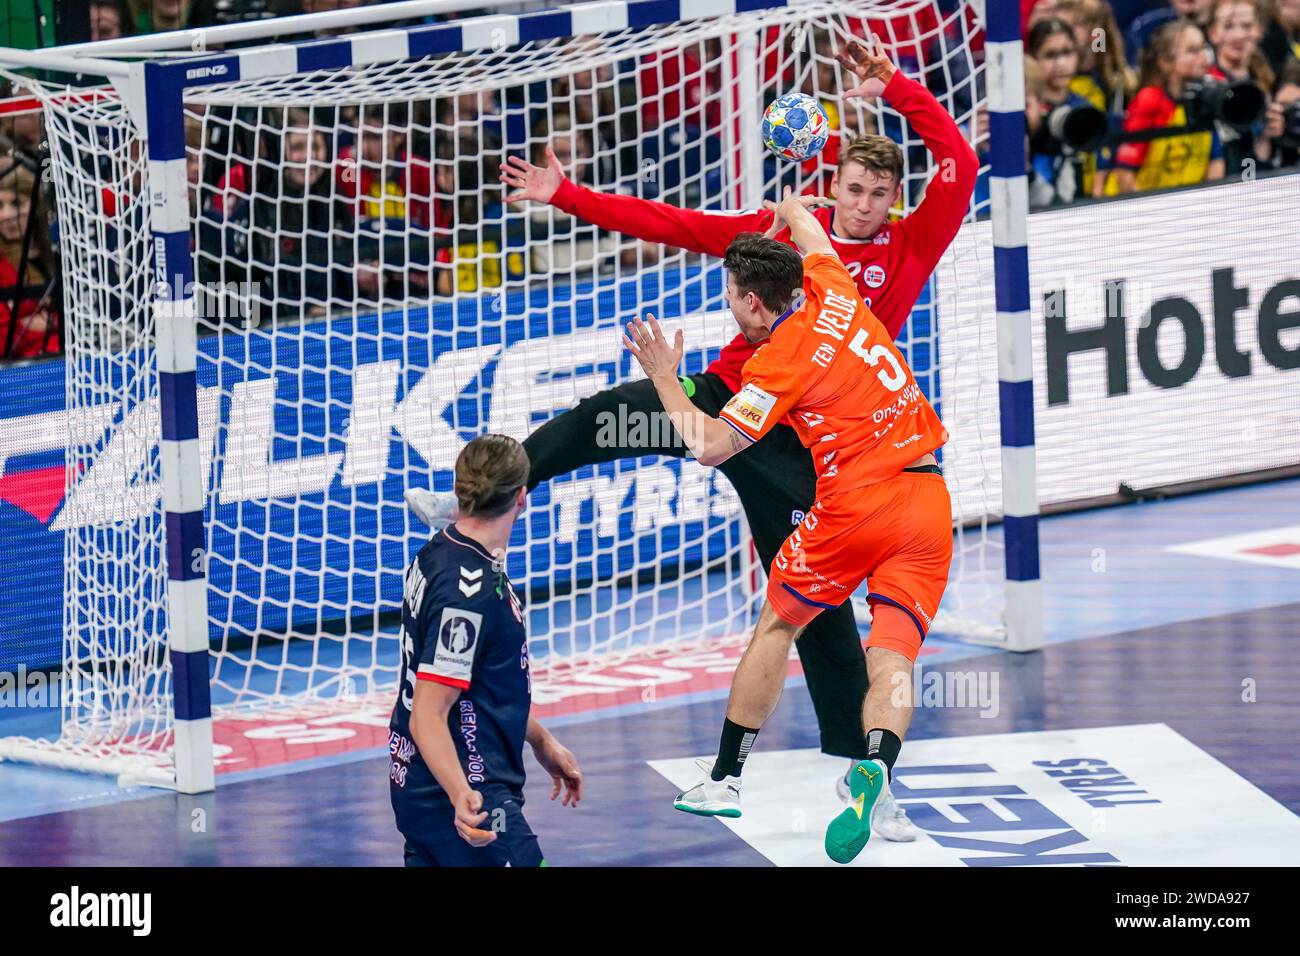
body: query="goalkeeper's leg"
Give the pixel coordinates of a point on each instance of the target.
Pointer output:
(581, 436)
(584, 436)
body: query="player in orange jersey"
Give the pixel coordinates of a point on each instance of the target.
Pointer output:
(882, 512)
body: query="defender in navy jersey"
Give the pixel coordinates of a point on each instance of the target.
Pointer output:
(456, 743)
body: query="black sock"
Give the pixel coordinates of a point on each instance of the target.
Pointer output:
(733, 748)
(883, 745)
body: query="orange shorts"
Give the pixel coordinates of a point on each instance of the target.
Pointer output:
(895, 534)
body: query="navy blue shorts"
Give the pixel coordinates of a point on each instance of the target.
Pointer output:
(516, 843)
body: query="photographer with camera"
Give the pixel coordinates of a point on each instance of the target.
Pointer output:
(1234, 30)
(1281, 40)
(1063, 126)
(1282, 125)
(1173, 63)
(1104, 78)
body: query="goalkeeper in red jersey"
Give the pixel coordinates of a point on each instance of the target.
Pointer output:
(890, 263)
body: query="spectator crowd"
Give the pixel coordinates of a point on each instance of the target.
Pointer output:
(387, 202)
(1134, 96)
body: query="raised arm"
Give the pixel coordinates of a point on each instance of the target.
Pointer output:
(947, 196)
(768, 391)
(805, 231)
(702, 231)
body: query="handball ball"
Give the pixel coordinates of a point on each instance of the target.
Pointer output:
(794, 127)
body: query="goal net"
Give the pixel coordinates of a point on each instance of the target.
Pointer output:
(367, 302)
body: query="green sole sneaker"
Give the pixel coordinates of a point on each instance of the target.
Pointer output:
(849, 832)
(701, 812)
(709, 797)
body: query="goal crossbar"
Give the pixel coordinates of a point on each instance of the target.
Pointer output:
(197, 39)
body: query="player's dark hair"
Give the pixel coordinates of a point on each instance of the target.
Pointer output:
(490, 470)
(771, 270)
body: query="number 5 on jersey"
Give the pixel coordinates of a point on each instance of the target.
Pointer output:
(893, 378)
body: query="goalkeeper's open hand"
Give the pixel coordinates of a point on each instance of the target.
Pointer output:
(537, 183)
(647, 341)
(870, 64)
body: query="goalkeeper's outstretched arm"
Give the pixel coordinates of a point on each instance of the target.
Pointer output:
(707, 233)
(939, 216)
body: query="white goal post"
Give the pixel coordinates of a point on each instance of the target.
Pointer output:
(291, 292)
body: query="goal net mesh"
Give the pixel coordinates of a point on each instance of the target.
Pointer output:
(367, 303)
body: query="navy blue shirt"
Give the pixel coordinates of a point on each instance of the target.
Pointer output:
(463, 626)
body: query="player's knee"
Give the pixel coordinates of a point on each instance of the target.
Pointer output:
(883, 660)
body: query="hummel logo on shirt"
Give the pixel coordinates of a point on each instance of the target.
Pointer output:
(467, 577)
